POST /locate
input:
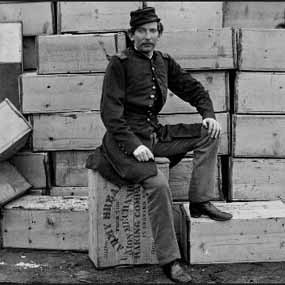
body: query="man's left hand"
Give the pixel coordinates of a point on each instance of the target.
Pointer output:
(213, 126)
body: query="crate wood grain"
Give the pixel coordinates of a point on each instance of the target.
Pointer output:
(70, 190)
(77, 53)
(261, 49)
(257, 179)
(29, 53)
(69, 168)
(35, 167)
(46, 222)
(189, 14)
(120, 231)
(14, 130)
(216, 83)
(60, 93)
(255, 234)
(200, 49)
(260, 92)
(253, 14)
(36, 17)
(258, 135)
(222, 118)
(94, 16)
(67, 131)
(180, 176)
(11, 61)
(12, 183)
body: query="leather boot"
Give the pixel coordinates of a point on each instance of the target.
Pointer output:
(208, 209)
(175, 271)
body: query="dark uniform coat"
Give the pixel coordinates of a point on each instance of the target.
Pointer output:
(134, 91)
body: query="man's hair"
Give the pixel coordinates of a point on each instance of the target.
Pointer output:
(132, 30)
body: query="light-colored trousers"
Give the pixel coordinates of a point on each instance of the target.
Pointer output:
(159, 194)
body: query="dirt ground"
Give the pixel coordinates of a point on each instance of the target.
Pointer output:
(65, 267)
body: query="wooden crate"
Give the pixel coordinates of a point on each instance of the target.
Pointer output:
(253, 14)
(85, 17)
(36, 17)
(11, 61)
(257, 179)
(261, 49)
(258, 135)
(60, 93)
(14, 130)
(197, 15)
(12, 183)
(260, 92)
(70, 190)
(216, 83)
(200, 49)
(255, 234)
(222, 118)
(35, 167)
(46, 222)
(69, 168)
(67, 131)
(77, 53)
(179, 180)
(29, 53)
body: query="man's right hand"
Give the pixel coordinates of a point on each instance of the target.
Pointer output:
(143, 153)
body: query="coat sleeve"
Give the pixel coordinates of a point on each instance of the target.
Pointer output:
(112, 107)
(189, 89)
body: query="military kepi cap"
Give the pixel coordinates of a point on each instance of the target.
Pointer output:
(143, 16)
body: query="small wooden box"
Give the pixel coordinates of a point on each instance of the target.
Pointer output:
(257, 179)
(60, 92)
(77, 53)
(35, 167)
(180, 176)
(14, 130)
(260, 92)
(255, 234)
(12, 183)
(258, 135)
(201, 49)
(120, 231)
(261, 49)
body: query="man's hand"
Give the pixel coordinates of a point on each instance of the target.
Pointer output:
(214, 128)
(143, 153)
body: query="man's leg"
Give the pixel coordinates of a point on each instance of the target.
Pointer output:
(162, 224)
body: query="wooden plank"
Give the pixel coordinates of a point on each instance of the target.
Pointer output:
(60, 93)
(216, 83)
(260, 92)
(46, 222)
(253, 14)
(34, 167)
(120, 231)
(12, 183)
(67, 131)
(14, 130)
(29, 53)
(11, 43)
(76, 53)
(258, 135)
(255, 234)
(198, 15)
(94, 16)
(36, 17)
(261, 49)
(200, 49)
(222, 118)
(70, 190)
(180, 176)
(69, 168)
(257, 179)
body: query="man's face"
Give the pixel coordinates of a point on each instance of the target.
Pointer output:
(145, 37)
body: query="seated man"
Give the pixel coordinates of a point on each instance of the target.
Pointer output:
(134, 91)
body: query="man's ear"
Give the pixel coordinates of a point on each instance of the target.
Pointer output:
(131, 36)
